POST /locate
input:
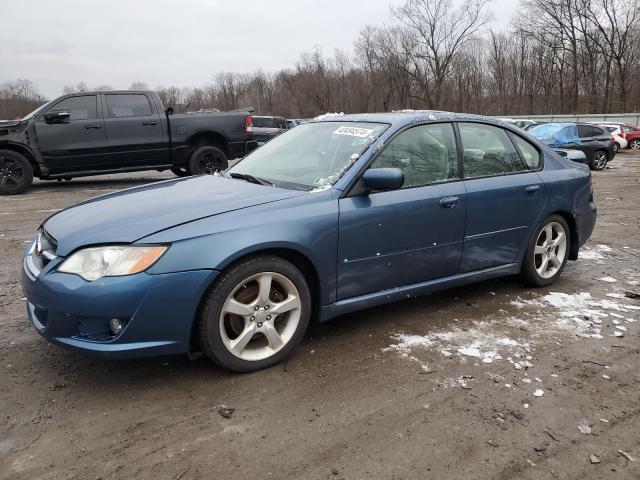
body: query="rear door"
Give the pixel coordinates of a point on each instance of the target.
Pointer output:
(410, 235)
(135, 137)
(505, 195)
(77, 144)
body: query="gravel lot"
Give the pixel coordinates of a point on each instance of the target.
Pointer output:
(487, 381)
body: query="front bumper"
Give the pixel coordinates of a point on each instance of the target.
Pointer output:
(158, 311)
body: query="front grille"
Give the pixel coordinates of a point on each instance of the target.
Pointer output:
(42, 252)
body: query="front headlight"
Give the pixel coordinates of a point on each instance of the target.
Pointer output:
(111, 261)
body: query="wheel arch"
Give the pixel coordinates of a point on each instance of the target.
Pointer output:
(574, 245)
(208, 137)
(296, 257)
(27, 153)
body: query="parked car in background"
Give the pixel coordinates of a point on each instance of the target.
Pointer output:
(294, 122)
(93, 133)
(631, 134)
(531, 125)
(333, 216)
(266, 128)
(573, 155)
(596, 142)
(617, 133)
(518, 122)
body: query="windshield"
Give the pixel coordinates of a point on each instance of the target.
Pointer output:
(36, 111)
(313, 155)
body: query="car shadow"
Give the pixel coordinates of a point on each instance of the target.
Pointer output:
(359, 333)
(87, 182)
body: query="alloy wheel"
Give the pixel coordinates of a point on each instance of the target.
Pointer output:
(260, 316)
(210, 163)
(11, 172)
(550, 250)
(600, 160)
(635, 145)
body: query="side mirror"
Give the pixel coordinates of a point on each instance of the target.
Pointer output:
(382, 179)
(57, 116)
(169, 111)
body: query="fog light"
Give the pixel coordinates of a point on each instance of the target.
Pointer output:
(115, 325)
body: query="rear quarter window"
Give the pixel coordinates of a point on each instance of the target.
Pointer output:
(530, 154)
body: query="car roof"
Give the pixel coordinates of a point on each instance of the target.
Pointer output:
(406, 117)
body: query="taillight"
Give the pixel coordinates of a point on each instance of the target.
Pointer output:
(623, 134)
(248, 124)
(611, 139)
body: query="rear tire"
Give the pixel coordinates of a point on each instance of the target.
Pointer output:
(181, 172)
(616, 147)
(547, 253)
(16, 173)
(634, 144)
(599, 160)
(255, 315)
(207, 160)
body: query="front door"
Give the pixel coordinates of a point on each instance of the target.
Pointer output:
(76, 144)
(395, 238)
(505, 195)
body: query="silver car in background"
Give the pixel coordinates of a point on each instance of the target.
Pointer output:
(265, 128)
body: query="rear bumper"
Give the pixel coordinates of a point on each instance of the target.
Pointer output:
(157, 310)
(586, 222)
(240, 149)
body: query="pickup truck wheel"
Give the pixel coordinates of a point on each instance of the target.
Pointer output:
(207, 160)
(16, 173)
(181, 172)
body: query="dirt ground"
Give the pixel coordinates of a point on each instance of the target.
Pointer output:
(486, 381)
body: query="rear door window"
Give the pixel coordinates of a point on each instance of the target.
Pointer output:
(128, 105)
(487, 151)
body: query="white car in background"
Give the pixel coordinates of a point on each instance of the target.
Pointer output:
(617, 134)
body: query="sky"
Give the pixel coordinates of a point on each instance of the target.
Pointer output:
(170, 42)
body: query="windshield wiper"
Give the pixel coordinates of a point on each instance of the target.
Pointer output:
(252, 179)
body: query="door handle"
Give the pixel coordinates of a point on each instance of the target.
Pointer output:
(449, 202)
(150, 123)
(532, 189)
(97, 126)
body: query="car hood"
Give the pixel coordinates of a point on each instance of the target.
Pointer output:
(9, 123)
(129, 215)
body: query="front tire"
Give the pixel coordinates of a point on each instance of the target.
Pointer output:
(16, 173)
(547, 253)
(599, 161)
(207, 160)
(255, 315)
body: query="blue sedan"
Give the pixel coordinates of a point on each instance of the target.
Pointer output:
(336, 215)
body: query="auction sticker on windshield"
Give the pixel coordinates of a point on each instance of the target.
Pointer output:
(354, 132)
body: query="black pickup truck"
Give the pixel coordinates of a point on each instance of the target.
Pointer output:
(94, 133)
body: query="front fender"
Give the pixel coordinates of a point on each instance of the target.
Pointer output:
(307, 225)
